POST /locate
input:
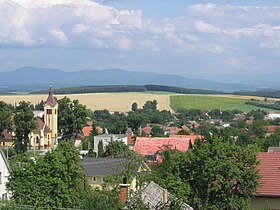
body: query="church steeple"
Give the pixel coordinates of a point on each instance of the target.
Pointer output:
(50, 100)
(51, 115)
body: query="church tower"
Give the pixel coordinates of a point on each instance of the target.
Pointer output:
(50, 114)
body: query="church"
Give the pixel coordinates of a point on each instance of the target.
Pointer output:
(44, 136)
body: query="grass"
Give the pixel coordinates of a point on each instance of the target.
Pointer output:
(205, 102)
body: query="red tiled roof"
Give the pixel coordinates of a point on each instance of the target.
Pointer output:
(147, 129)
(50, 100)
(150, 146)
(272, 128)
(192, 137)
(269, 169)
(88, 128)
(7, 135)
(184, 127)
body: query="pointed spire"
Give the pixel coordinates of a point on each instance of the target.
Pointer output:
(50, 100)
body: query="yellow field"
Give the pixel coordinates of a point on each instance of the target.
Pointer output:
(95, 101)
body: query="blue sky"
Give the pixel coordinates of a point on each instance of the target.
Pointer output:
(218, 40)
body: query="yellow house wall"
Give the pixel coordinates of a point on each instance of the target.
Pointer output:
(7, 143)
(52, 124)
(259, 203)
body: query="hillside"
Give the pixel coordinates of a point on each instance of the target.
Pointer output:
(30, 79)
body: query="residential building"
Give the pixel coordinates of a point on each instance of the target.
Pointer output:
(154, 195)
(268, 193)
(150, 147)
(107, 138)
(97, 169)
(4, 173)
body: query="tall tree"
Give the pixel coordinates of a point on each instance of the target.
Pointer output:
(100, 149)
(72, 116)
(134, 107)
(53, 181)
(5, 117)
(93, 133)
(218, 173)
(24, 123)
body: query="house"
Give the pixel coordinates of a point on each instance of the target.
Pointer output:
(268, 193)
(273, 116)
(4, 173)
(88, 128)
(107, 138)
(8, 137)
(272, 128)
(150, 147)
(154, 195)
(193, 137)
(97, 169)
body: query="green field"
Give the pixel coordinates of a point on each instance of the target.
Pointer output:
(205, 102)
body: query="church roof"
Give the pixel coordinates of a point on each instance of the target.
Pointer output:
(50, 100)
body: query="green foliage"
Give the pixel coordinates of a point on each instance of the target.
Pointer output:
(5, 117)
(72, 116)
(217, 174)
(134, 107)
(99, 200)
(24, 123)
(54, 181)
(117, 149)
(157, 131)
(150, 105)
(100, 149)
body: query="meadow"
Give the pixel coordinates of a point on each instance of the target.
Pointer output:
(208, 102)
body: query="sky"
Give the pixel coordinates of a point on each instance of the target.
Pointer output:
(215, 40)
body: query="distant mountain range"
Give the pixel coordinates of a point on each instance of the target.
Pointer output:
(30, 79)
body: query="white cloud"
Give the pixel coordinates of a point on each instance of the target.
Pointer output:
(205, 27)
(60, 36)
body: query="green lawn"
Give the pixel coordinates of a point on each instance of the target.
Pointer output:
(205, 102)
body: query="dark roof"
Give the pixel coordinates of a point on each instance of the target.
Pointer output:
(103, 166)
(152, 194)
(40, 125)
(50, 100)
(273, 149)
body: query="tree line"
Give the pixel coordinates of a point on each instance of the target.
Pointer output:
(127, 88)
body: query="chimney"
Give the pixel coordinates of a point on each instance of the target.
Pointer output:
(124, 191)
(165, 196)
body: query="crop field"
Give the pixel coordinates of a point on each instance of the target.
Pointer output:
(208, 102)
(122, 101)
(95, 101)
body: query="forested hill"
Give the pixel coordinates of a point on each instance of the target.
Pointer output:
(126, 88)
(267, 94)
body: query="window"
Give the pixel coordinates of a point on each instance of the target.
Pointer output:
(49, 111)
(103, 179)
(37, 140)
(94, 179)
(4, 196)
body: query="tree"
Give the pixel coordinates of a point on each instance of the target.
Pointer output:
(93, 133)
(53, 181)
(157, 131)
(100, 149)
(134, 107)
(150, 105)
(218, 173)
(72, 116)
(24, 123)
(5, 117)
(116, 149)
